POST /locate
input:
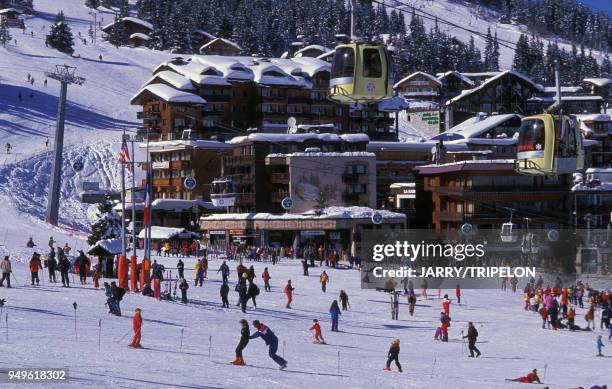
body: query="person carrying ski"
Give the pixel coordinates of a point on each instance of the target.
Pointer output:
(323, 279)
(316, 329)
(183, 287)
(81, 263)
(265, 276)
(35, 265)
(529, 378)
(334, 312)
(224, 291)
(5, 267)
(252, 292)
(64, 267)
(180, 266)
(393, 355)
(600, 345)
(137, 326)
(30, 244)
(244, 341)
(225, 270)
(472, 336)
(344, 299)
(262, 331)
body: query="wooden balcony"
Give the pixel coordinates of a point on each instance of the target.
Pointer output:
(245, 198)
(279, 195)
(239, 160)
(279, 178)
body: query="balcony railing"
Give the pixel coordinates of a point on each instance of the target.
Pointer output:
(279, 195)
(353, 178)
(279, 178)
(147, 114)
(242, 198)
(236, 160)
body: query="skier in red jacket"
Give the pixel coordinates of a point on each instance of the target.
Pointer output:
(137, 324)
(529, 378)
(316, 328)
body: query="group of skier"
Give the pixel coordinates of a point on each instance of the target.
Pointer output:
(557, 307)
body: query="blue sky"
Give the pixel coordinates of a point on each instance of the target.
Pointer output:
(604, 5)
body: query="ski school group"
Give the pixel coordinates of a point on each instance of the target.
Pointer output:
(557, 307)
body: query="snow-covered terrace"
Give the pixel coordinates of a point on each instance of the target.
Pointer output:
(475, 127)
(273, 137)
(328, 213)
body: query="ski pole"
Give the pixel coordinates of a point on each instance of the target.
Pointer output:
(6, 318)
(99, 333)
(283, 349)
(209, 346)
(338, 361)
(545, 368)
(74, 305)
(433, 366)
(181, 346)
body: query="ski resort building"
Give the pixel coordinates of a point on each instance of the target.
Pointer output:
(480, 192)
(220, 46)
(336, 228)
(216, 95)
(12, 17)
(419, 85)
(261, 184)
(173, 161)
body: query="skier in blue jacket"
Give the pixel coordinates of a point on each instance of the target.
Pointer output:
(271, 341)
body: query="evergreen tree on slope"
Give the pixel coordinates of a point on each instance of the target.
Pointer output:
(60, 35)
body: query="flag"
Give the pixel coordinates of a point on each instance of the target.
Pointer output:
(147, 202)
(124, 154)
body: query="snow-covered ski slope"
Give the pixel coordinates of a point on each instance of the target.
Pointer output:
(41, 334)
(474, 18)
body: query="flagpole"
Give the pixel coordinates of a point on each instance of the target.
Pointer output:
(149, 185)
(134, 242)
(123, 245)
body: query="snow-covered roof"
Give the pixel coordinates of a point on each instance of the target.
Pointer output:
(169, 94)
(112, 246)
(481, 74)
(596, 117)
(410, 146)
(140, 35)
(179, 144)
(267, 73)
(176, 80)
(598, 81)
(323, 154)
(273, 137)
(320, 48)
(176, 205)
(204, 33)
(564, 89)
(394, 104)
(399, 185)
(475, 127)
(582, 98)
(422, 104)
(9, 11)
(160, 233)
(456, 74)
(326, 55)
(468, 92)
(218, 40)
(134, 20)
(426, 75)
(328, 213)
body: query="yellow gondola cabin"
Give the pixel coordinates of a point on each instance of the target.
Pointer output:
(549, 145)
(361, 73)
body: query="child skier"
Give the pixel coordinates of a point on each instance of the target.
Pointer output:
(600, 345)
(334, 312)
(224, 291)
(344, 299)
(289, 293)
(393, 355)
(183, 287)
(323, 279)
(244, 340)
(316, 328)
(411, 303)
(529, 378)
(446, 305)
(265, 276)
(458, 294)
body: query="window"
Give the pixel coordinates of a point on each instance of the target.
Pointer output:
(356, 188)
(343, 64)
(531, 137)
(372, 64)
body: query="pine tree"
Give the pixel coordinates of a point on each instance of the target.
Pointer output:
(118, 34)
(93, 4)
(5, 34)
(605, 69)
(108, 225)
(494, 60)
(60, 35)
(522, 60)
(488, 51)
